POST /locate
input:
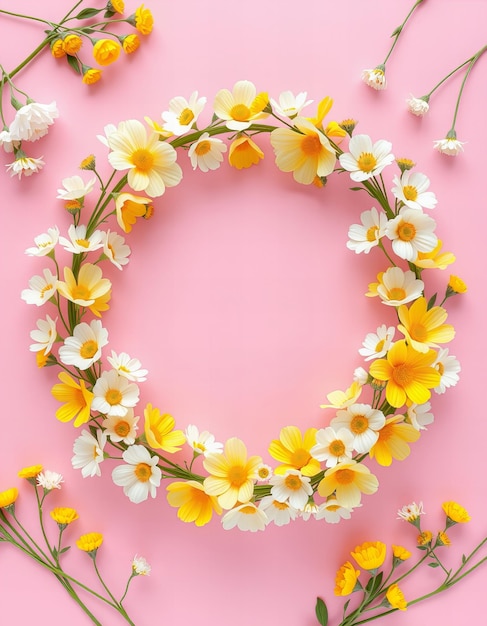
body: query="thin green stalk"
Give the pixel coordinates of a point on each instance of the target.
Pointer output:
(399, 29)
(469, 69)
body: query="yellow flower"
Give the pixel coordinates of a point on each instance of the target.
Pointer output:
(370, 555)
(232, 474)
(423, 328)
(142, 20)
(42, 359)
(456, 284)
(57, 49)
(118, 6)
(400, 553)
(455, 512)
(435, 258)
(87, 287)
(294, 451)
(30, 472)
(159, 431)
(128, 208)
(244, 153)
(77, 399)
(393, 441)
(130, 43)
(341, 399)
(72, 44)
(424, 538)
(91, 75)
(101, 304)
(90, 542)
(193, 503)
(405, 164)
(88, 163)
(106, 51)
(443, 539)
(346, 579)
(349, 480)
(396, 598)
(64, 515)
(408, 373)
(8, 497)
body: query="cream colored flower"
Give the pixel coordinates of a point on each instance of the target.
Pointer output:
(114, 394)
(396, 287)
(75, 188)
(290, 105)
(363, 237)
(44, 336)
(207, 153)
(418, 106)
(42, 288)
(32, 121)
(375, 78)
(44, 243)
(241, 106)
(411, 190)
(24, 165)
(83, 348)
(182, 114)
(364, 159)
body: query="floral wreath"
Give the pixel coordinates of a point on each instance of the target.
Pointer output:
(319, 473)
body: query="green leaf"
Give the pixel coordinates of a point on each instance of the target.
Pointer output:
(65, 549)
(74, 63)
(358, 189)
(434, 564)
(464, 559)
(86, 13)
(431, 302)
(321, 612)
(374, 583)
(345, 607)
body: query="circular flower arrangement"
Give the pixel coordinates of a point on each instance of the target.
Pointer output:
(318, 473)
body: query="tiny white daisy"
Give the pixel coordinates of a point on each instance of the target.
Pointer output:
(281, 513)
(44, 336)
(88, 453)
(290, 105)
(126, 366)
(139, 476)
(363, 237)
(44, 243)
(202, 443)
(140, 566)
(115, 248)
(49, 480)
(75, 188)
(42, 288)
(78, 242)
(246, 517)
(376, 345)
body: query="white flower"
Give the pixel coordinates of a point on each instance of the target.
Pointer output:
(32, 121)
(291, 487)
(114, 395)
(182, 113)
(376, 345)
(115, 248)
(411, 190)
(237, 107)
(6, 141)
(363, 422)
(122, 428)
(366, 159)
(396, 287)
(41, 288)
(333, 446)
(375, 78)
(83, 348)
(202, 443)
(140, 476)
(140, 567)
(207, 153)
(281, 513)
(45, 336)
(449, 367)
(109, 129)
(264, 472)
(332, 512)
(411, 231)
(310, 510)
(78, 243)
(88, 453)
(417, 106)
(127, 367)
(290, 105)
(419, 417)
(411, 512)
(25, 165)
(360, 376)
(49, 480)
(44, 243)
(450, 146)
(246, 517)
(364, 237)
(75, 188)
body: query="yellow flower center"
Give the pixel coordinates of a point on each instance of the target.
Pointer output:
(406, 231)
(332, 507)
(441, 368)
(142, 159)
(336, 448)
(366, 162)
(237, 475)
(203, 147)
(300, 457)
(292, 482)
(397, 293)
(402, 375)
(263, 473)
(186, 117)
(418, 332)
(143, 472)
(199, 446)
(344, 476)
(113, 397)
(410, 192)
(80, 292)
(122, 428)
(359, 424)
(88, 349)
(386, 432)
(380, 345)
(311, 145)
(248, 510)
(84, 243)
(282, 506)
(45, 289)
(372, 233)
(240, 112)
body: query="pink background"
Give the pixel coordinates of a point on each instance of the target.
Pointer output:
(245, 305)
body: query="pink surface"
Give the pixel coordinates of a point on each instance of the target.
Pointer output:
(244, 304)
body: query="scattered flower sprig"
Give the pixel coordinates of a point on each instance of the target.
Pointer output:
(65, 39)
(379, 586)
(49, 554)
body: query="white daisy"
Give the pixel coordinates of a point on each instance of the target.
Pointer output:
(239, 107)
(332, 512)
(202, 443)
(375, 78)
(411, 231)
(75, 188)
(264, 473)
(290, 105)
(122, 428)
(140, 476)
(411, 512)
(78, 243)
(115, 248)
(114, 395)
(281, 513)
(182, 114)
(363, 237)
(109, 129)
(25, 165)
(83, 348)
(411, 189)
(419, 417)
(42, 288)
(140, 566)
(366, 159)
(32, 121)
(207, 153)
(376, 345)
(44, 243)
(88, 453)
(246, 517)
(291, 487)
(396, 287)
(360, 376)
(363, 422)
(417, 106)
(449, 367)
(310, 510)
(127, 367)
(450, 146)
(333, 446)
(7, 142)
(49, 480)
(44, 336)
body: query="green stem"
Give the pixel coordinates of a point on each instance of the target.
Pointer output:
(399, 29)
(469, 69)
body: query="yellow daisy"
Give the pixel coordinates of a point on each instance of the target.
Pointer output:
(396, 598)
(294, 451)
(159, 431)
(393, 441)
(423, 327)
(85, 289)
(349, 480)
(77, 399)
(370, 555)
(346, 579)
(194, 504)
(241, 106)
(244, 153)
